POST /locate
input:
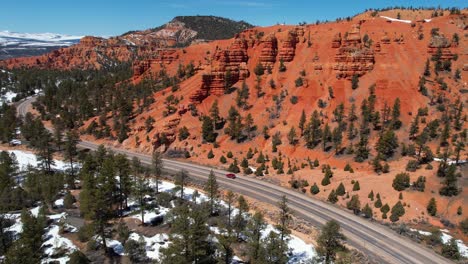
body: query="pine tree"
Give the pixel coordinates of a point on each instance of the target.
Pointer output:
(451, 250)
(254, 233)
(70, 149)
(302, 122)
(211, 189)
(157, 166)
(181, 179)
(125, 182)
(387, 144)
(330, 241)
(214, 113)
(432, 207)
(240, 221)
(450, 184)
(284, 219)
(208, 130)
(371, 195)
(136, 251)
(292, 136)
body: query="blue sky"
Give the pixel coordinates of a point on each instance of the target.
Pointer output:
(113, 17)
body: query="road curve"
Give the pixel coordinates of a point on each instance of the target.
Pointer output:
(375, 240)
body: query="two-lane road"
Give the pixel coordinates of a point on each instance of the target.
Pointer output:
(377, 241)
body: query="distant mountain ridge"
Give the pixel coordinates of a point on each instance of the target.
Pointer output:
(52, 51)
(14, 44)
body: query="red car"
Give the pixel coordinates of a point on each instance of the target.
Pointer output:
(231, 176)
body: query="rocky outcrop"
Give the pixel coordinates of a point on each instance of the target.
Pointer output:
(385, 40)
(336, 41)
(440, 44)
(161, 57)
(269, 50)
(228, 67)
(353, 58)
(288, 47)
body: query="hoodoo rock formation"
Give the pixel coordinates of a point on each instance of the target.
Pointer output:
(228, 67)
(288, 47)
(269, 45)
(353, 58)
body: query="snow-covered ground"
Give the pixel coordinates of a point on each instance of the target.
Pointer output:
(26, 158)
(445, 237)
(396, 20)
(8, 38)
(300, 250)
(54, 242)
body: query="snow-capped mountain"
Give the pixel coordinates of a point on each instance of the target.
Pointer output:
(13, 44)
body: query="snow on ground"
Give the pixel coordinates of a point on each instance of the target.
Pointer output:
(427, 20)
(59, 202)
(450, 161)
(396, 20)
(26, 158)
(153, 244)
(7, 97)
(152, 215)
(56, 243)
(445, 237)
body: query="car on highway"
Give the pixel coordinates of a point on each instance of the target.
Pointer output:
(231, 175)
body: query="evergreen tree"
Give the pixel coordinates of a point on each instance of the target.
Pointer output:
(208, 130)
(284, 219)
(340, 190)
(254, 235)
(332, 197)
(330, 241)
(240, 221)
(401, 181)
(181, 180)
(450, 184)
(157, 166)
(314, 189)
(397, 211)
(355, 82)
(450, 250)
(71, 150)
(356, 186)
(354, 204)
(136, 251)
(211, 189)
(387, 144)
(125, 183)
(367, 211)
(302, 122)
(292, 136)
(427, 69)
(432, 207)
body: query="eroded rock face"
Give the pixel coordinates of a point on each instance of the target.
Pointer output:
(439, 43)
(161, 56)
(269, 50)
(288, 47)
(228, 67)
(353, 58)
(336, 42)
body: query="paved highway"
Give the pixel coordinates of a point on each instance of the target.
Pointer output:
(375, 240)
